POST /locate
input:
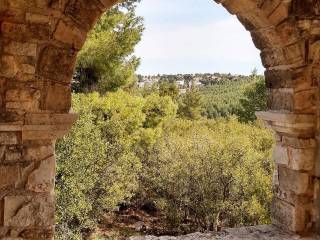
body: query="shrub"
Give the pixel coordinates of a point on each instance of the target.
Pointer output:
(96, 167)
(211, 173)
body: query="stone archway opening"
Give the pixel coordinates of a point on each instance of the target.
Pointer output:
(39, 41)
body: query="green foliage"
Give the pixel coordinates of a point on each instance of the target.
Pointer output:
(96, 166)
(242, 97)
(106, 62)
(169, 89)
(98, 161)
(211, 173)
(77, 154)
(255, 99)
(223, 99)
(158, 110)
(190, 105)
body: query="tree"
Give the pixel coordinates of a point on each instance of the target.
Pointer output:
(255, 99)
(211, 173)
(169, 89)
(191, 105)
(100, 160)
(106, 62)
(97, 167)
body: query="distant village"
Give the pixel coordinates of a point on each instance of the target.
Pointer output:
(186, 81)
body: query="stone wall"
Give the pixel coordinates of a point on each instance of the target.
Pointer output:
(39, 41)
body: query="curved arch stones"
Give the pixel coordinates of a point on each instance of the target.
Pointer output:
(39, 41)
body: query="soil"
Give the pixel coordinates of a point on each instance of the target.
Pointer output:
(131, 221)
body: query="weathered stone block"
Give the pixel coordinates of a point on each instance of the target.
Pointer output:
(32, 5)
(288, 216)
(273, 57)
(38, 153)
(24, 95)
(13, 30)
(314, 52)
(237, 6)
(269, 6)
(287, 31)
(59, 5)
(70, 34)
(29, 211)
(305, 101)
(2, 152)
(295, 181)
(299, 142)
(280, 13)
(10, 117)
(295, 54)
(9, 138)
(281, 99)
(21, 49)
(37, 18)
(314, 27)
(13, 155)
(10, 175)
(27, 68)
(46, 234)
(4, 232)
(251, 20)
(306, 8)
(315, 75)
(84, 12)
(40, 31)
(284, 195)
(56, 97)
(108, 3)
(280, 154)
(9, 67)
(302, 159)
(13, 15)
(56, 64)
(43, 135)
(42, 178)
(279, 78)
(288, 78)
(50, 119)
(29, 106)
(265, 38)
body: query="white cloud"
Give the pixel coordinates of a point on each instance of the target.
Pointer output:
(224, 42)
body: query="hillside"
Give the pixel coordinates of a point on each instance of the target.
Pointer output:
(221, 93)
(223, 99)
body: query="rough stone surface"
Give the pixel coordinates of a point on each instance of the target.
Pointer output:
(28, 211)
(250, 233)
(42, 178)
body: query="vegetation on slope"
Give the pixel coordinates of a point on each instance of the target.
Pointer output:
(242, 98)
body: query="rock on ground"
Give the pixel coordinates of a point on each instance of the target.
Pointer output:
(264, 232)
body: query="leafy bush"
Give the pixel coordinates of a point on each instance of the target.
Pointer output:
(96, 167)
(211, 173)
(98, 161)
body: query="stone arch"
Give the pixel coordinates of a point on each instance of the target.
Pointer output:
(39, 41)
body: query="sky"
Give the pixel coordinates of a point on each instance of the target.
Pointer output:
(193, 36)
